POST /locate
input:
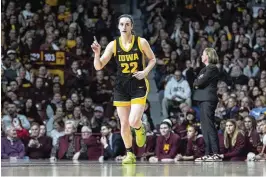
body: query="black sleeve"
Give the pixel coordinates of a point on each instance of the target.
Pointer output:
(206, 78)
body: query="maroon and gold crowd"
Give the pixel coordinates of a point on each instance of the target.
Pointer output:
(56, 107)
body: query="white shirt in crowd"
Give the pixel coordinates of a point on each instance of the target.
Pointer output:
(180, 89)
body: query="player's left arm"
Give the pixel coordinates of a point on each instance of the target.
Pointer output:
(149, 53)
(146, 49)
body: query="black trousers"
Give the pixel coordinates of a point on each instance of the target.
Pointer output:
(209, 131)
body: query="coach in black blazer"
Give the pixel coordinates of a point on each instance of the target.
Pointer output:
(205, 93)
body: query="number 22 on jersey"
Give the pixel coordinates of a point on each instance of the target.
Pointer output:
(129, 67)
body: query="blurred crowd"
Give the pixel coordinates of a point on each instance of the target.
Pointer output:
(70, 115)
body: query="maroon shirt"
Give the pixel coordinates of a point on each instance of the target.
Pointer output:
(237, 152)
(195, 148)
(94, 148)
(253, 140)
(43, 151)
(168, 148)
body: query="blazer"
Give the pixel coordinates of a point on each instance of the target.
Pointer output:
(205, 86)
(114, 149)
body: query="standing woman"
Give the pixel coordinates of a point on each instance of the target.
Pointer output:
(131, 86)
(205, 93)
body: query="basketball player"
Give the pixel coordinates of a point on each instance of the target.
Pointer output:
(131, 86)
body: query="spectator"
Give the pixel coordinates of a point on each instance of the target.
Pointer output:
(168, 143)
(30, 111)
(177, 91)
(58, 130)
(195, 145)
(232, 108)
(11, 145)
(94, 147)
(262, 153)
(88, 108)
(112, 143)
(260, 107)
(252, 134)
(251, 70)
(191, 118)
(12, 118)
(234, 141)
(98, 119)
(68, 146)
(38, 147)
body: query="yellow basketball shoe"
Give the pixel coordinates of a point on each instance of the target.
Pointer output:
(129, 159)
(140, 136)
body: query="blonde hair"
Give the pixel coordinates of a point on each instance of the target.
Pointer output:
(86, 128)
(71, 122)
(227, 137)
(212, 56)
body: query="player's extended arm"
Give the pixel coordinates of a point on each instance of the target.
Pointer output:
(100, 62)
(149, 53)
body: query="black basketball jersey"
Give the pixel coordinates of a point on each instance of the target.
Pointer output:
(131, 60)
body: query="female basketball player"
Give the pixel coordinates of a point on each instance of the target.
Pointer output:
(131, 86)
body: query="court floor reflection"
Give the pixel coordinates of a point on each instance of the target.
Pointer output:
(85, 168)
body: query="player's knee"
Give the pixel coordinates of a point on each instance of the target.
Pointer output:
(134, 122)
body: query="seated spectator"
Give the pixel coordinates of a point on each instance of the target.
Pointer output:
(79, 119)
(251, 134)
(195, 145)
(88, 108)
(68, 146)
(12, 118)
(243, 112)
(260, 106)
(58, 131)
(11, 145)
(177, 91)
(168, 143)
(22, 133)
(38, 147)
(93, 146)
(30, 111)
(232, 108)
(42, 130)
(179, 124)
(251, 70)
(115, 124)
(112, 143)
(98, 119)
(59, 115)
(234, 142)
(191, 118)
